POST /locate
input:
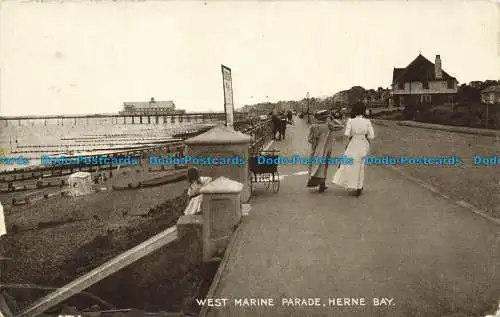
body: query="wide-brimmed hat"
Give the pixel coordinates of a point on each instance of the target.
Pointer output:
(321, 114)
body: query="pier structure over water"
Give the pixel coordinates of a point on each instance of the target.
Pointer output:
(115, 119)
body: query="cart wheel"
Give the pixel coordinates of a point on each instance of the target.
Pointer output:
(276, 182)
(267, 180)
(250, 184)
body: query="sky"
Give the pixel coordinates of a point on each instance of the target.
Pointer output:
(89, 57)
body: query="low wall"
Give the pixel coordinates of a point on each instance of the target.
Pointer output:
(485, 132)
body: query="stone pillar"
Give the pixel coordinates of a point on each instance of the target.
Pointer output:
(222, 142)
(190, 227)
(221, 209)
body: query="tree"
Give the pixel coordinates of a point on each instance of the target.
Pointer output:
(467, 94)
(488, 83)
(356, 94)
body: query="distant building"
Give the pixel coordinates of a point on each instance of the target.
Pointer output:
(377, 98)
(151, 107)
(491, 95)
(423, 83)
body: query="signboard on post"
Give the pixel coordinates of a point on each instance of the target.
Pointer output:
(228, 95)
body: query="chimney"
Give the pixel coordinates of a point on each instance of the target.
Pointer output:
(437, 68)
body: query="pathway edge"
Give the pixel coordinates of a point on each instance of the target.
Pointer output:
(431, 188)
(235, 240)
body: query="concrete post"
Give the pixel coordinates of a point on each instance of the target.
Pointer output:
(190, 227)
(222, 142)
(221, 209)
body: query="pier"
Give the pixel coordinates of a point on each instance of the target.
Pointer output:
(115, 119)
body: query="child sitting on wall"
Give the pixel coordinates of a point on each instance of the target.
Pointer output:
(196, 182)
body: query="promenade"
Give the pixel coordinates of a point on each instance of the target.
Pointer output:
(418, 253)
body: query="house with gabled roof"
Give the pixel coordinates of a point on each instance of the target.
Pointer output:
(491, 94)
(423, 83)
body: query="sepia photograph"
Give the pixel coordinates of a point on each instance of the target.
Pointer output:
(249, 158)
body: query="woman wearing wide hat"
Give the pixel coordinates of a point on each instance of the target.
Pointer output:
(322, 137)
(360, 132)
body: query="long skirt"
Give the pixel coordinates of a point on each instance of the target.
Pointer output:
(318, 173)
(352, 176)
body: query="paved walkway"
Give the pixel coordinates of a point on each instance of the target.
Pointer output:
(426, 255)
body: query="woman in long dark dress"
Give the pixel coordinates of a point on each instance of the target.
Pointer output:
(322, 137)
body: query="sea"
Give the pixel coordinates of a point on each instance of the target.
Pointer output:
(31, 139)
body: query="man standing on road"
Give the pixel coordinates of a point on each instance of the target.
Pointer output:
(290, 116)
(282, 129)
(275, 122)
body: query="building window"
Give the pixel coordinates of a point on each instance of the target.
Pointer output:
(451, 84)
(425, 85)
(401, 86)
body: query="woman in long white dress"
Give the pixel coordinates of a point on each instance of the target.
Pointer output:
(360, 132)
(196, 182)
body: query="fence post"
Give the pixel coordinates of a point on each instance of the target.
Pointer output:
(221, 209)
(222, 142)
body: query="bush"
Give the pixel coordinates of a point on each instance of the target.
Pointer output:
(460, 119)
(473, 115)
(441, 115)
(496, 120)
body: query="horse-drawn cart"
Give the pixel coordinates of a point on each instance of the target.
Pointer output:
(263, 168)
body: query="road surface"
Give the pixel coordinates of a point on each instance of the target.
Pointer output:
(417, 253)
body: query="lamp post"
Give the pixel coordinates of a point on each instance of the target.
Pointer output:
(487, 115)
(308, 109)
